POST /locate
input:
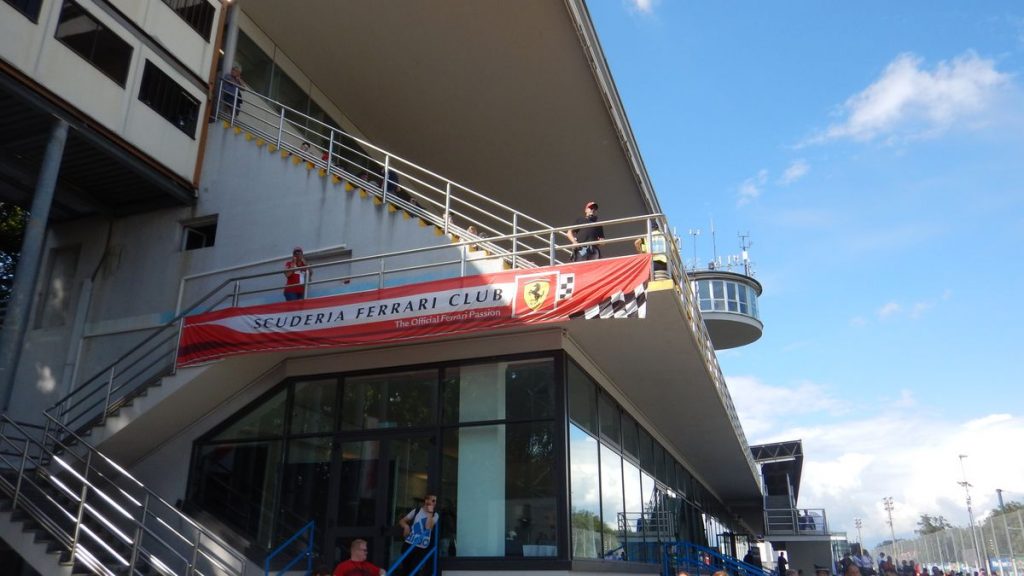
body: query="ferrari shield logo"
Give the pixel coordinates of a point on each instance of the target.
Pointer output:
(536, 293)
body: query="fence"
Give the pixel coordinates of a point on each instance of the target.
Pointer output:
(997, 542)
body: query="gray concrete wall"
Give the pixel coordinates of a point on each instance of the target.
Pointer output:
(804, 555)
(129, 269)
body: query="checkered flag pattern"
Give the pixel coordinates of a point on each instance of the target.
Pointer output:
(565, 285)
(619, 305)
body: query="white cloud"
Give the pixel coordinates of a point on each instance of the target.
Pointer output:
(888, 309)
(796, 170)
(911, 101)
(750, 189)
(858, 321)
(853, 457)
(642, 6)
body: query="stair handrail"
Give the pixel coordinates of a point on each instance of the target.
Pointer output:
(306, 553)
(291, 127)
(432, 554)
(46, 457)
(690, 550)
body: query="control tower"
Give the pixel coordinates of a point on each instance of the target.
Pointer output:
(728, 299)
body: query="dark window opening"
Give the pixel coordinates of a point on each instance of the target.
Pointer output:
(168, 99)
(30, 8)
(90, 39)
(199, 235)
(198, 14)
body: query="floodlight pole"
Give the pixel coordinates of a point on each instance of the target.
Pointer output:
(970, 511)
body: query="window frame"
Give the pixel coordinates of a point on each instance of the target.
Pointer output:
(101, 27)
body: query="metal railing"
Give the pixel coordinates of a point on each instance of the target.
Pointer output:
(431, 556)
(695, 560)
(796, 521)
(305, 552)
(391, 179)
(97, 513)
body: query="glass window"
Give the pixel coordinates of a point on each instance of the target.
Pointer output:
(646, 451)
(508, 474)
(633, 494)
(612, 506)
(198, 234)
(398, 399)
(288, 92)
(582, 399)
(265, 419)
(256, 66)
(659, 462)
(198, 14)
(90, 39)
(305, 485)
(314, 406)
(168, 99)
(236, 482)
(585, 487)
(630, 437)
(609, 413)
(519, 390)
(358, 474)
(29, 8)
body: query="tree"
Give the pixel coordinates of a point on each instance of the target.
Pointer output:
(12, 229)
(1010, 508)
(931, 524)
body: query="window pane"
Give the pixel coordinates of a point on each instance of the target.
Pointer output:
(582, 399)
(585, 494)
(314, 406)
(646, 451)
(611, 502)
(168, 99)
(236, 482)
(502, 478)
(630, 439)
(359, 476)
(609, 413)
(388, 400)
(633, 504)
(30, 8)
(730, 290)
(255, 63)
(718, 289)
(265, 419)
(520, 390)
(198, 14)
(90, 39)
(306, 481)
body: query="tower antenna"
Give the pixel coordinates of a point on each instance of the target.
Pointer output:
(714, 246)
(745, 245)
(694, 233)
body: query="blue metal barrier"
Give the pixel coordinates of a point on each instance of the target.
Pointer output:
(430, 555)
(697, 560)
(306, 553)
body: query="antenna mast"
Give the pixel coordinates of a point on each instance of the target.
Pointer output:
(745, 245)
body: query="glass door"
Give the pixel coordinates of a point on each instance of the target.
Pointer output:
(377, 482)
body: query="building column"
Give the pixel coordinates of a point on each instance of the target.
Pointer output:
(230, 38)
(20, 304)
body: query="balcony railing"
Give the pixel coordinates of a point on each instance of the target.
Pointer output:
(796, 521)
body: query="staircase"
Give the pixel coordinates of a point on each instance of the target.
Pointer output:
(696, 560)
(81, 513)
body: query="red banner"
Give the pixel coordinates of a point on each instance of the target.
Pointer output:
(594, 289)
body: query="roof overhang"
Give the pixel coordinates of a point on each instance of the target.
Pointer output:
(664, 375)
(512, 99)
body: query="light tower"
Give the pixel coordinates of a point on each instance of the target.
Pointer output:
(859, 524)
(887, 503)
(970, 511)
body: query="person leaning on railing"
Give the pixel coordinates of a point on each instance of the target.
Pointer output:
(232, 96)
(587, 234)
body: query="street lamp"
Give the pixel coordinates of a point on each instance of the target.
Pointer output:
(859, 524)
(970, 511)
(887, 502)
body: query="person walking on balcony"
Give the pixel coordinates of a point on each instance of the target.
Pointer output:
(588, 234)
(357, 564)
(297, 276)
(781, 563)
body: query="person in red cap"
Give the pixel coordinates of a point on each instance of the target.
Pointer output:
(296, 279)
(588, 234)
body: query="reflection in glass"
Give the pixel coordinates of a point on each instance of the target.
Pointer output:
(608, 413)
(582, 399)
(585, 494)
(358, 477)
(265, 419)
(612, 507)
(398, 399)
(313, 406)
(499, 391)
(305, 483)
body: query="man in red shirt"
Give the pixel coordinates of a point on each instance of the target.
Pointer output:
(357, 565)
(296, 273)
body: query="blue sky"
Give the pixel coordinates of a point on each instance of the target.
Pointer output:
(874, 151)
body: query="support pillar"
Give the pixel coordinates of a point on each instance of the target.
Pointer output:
(230, 38)
(20, 304)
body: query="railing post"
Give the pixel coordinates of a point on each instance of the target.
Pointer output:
(177, 345)
(220, 100)
(234, 105)
(447, 204)
(195, 553)
(330, 153)
(234, 294)
(462, 261)
(139, 532)
(81, 505)
(384, 187)
(106, 402)
(551, 248)
(515, 239)
(280, 128)
(21, 474)
(380, 275)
